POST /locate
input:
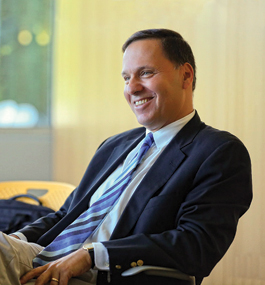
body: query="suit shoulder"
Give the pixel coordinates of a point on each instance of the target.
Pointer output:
(210, 139)
(217, 136)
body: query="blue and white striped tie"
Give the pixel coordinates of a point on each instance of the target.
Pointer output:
(73, 236)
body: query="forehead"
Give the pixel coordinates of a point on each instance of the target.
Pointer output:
(147, 52)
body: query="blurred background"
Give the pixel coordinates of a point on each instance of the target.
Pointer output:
(61, 92)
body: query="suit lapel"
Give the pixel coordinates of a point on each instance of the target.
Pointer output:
(115, 159)
(158, 175)
(117, 156)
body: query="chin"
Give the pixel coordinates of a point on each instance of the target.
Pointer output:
(144, 120)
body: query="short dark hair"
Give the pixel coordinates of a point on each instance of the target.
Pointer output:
(176, 49)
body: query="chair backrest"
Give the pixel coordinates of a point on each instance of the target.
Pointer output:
(51, 194)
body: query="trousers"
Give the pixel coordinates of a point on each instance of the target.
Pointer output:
(16, 260)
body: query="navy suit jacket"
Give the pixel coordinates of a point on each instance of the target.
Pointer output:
(184, 213)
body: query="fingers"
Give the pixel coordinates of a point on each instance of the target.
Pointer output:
(45, 275)
(62, 269)
(48, 274)
(32, 273)
(53, 278)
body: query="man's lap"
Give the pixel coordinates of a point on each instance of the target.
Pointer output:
(16, 260)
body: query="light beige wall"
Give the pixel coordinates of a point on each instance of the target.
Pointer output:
(228, 40)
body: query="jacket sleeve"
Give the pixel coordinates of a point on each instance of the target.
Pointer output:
(35, 230)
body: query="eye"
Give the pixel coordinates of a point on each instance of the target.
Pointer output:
(126, 78)
(146, 73)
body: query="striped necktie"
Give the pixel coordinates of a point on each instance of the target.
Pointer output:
(73, 236)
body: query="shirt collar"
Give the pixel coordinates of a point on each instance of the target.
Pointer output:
(163, 136)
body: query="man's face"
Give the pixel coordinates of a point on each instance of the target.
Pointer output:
(154, 87)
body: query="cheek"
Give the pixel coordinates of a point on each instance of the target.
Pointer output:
(126, 96)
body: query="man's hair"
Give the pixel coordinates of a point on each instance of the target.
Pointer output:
(175, 48)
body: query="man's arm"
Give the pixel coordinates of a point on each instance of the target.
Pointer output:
(35, 230)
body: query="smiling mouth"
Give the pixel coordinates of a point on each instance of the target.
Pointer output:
(141, 102)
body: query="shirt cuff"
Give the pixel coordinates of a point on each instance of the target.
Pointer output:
(101, 256)
(20, 235)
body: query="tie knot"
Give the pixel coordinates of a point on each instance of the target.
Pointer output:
(149, 139)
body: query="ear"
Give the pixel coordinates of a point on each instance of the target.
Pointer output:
(188, 74)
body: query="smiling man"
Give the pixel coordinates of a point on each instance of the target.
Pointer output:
(167, 194)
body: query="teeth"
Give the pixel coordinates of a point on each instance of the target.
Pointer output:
(137, 103)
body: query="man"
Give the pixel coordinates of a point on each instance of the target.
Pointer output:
(181, 206)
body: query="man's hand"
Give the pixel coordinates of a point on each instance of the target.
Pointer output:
(62, 269)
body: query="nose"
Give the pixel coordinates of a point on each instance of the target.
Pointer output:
(133, 86)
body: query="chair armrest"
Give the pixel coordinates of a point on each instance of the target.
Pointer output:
(159, 271)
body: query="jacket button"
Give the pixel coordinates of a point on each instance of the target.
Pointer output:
(140, 262)
(118, 267)
(133, 264)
